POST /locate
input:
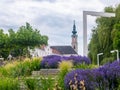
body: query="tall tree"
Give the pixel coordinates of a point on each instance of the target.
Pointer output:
(27, 36)
(116, 30)
(17, 43)
(103, 37)
(4, 50)
(93, 46)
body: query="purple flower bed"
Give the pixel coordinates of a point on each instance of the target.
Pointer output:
(111, 75)
(52, 61)
(78, 59)
(106, 77)
(78, 75)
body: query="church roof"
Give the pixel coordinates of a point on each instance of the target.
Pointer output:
(64, 49)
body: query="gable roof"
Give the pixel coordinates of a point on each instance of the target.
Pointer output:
(64, 49)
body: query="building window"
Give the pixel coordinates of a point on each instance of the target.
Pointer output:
(74, 47)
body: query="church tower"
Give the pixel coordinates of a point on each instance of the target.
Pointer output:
(74, 38)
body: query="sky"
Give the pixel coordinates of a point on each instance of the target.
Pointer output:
(53, 18)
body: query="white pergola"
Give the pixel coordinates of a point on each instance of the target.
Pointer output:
(92, 13)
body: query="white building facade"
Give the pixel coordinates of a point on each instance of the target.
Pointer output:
(37, 52)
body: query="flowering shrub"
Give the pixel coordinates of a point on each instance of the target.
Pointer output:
(52, 61)
(73, 79)
(78, 59)
(109, 74)
(106, 77)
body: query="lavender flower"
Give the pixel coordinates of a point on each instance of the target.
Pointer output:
(85, 75)
(52, 61)
(106, 77)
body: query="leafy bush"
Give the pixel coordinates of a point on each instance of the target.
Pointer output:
(9, 84)
(26, 83)
(107, 60)
(65, 67)
(46, 84)
(106, 77)
(85, 66)
(52, 61)
(39, 83)
(31, 83)
(20, 68)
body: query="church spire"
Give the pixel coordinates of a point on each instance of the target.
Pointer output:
(74, 29)
(74, 42)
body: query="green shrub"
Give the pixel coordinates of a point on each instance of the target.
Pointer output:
(9, 84)
(39, 83)
(21, 68)
(84, 66)
(31, 83)
(46, 83)
(28, 83)
(35, 64)
(65, 67)
(107, 59)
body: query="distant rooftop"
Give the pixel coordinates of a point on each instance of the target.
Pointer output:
(64, 49)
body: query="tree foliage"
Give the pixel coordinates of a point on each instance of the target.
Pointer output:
(16, 43)
(106, 35)
(3, 44)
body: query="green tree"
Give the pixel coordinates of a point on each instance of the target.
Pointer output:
(102, 40)
(27, 36)
(93, 46)
(116, 37)
(17, 43)
(12, 43)
(116, 30)
(4, 50)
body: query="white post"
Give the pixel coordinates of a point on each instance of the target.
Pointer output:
(117, 53)
(85, 50)
(98, 58)
(85, 13)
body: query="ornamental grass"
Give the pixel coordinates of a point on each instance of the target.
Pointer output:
(20, 68)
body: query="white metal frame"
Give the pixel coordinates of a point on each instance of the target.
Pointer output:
(98, 61)
(85, 13)
(117, 53)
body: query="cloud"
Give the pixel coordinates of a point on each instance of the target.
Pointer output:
(51, 1)
(110, 2)
(53, 18)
